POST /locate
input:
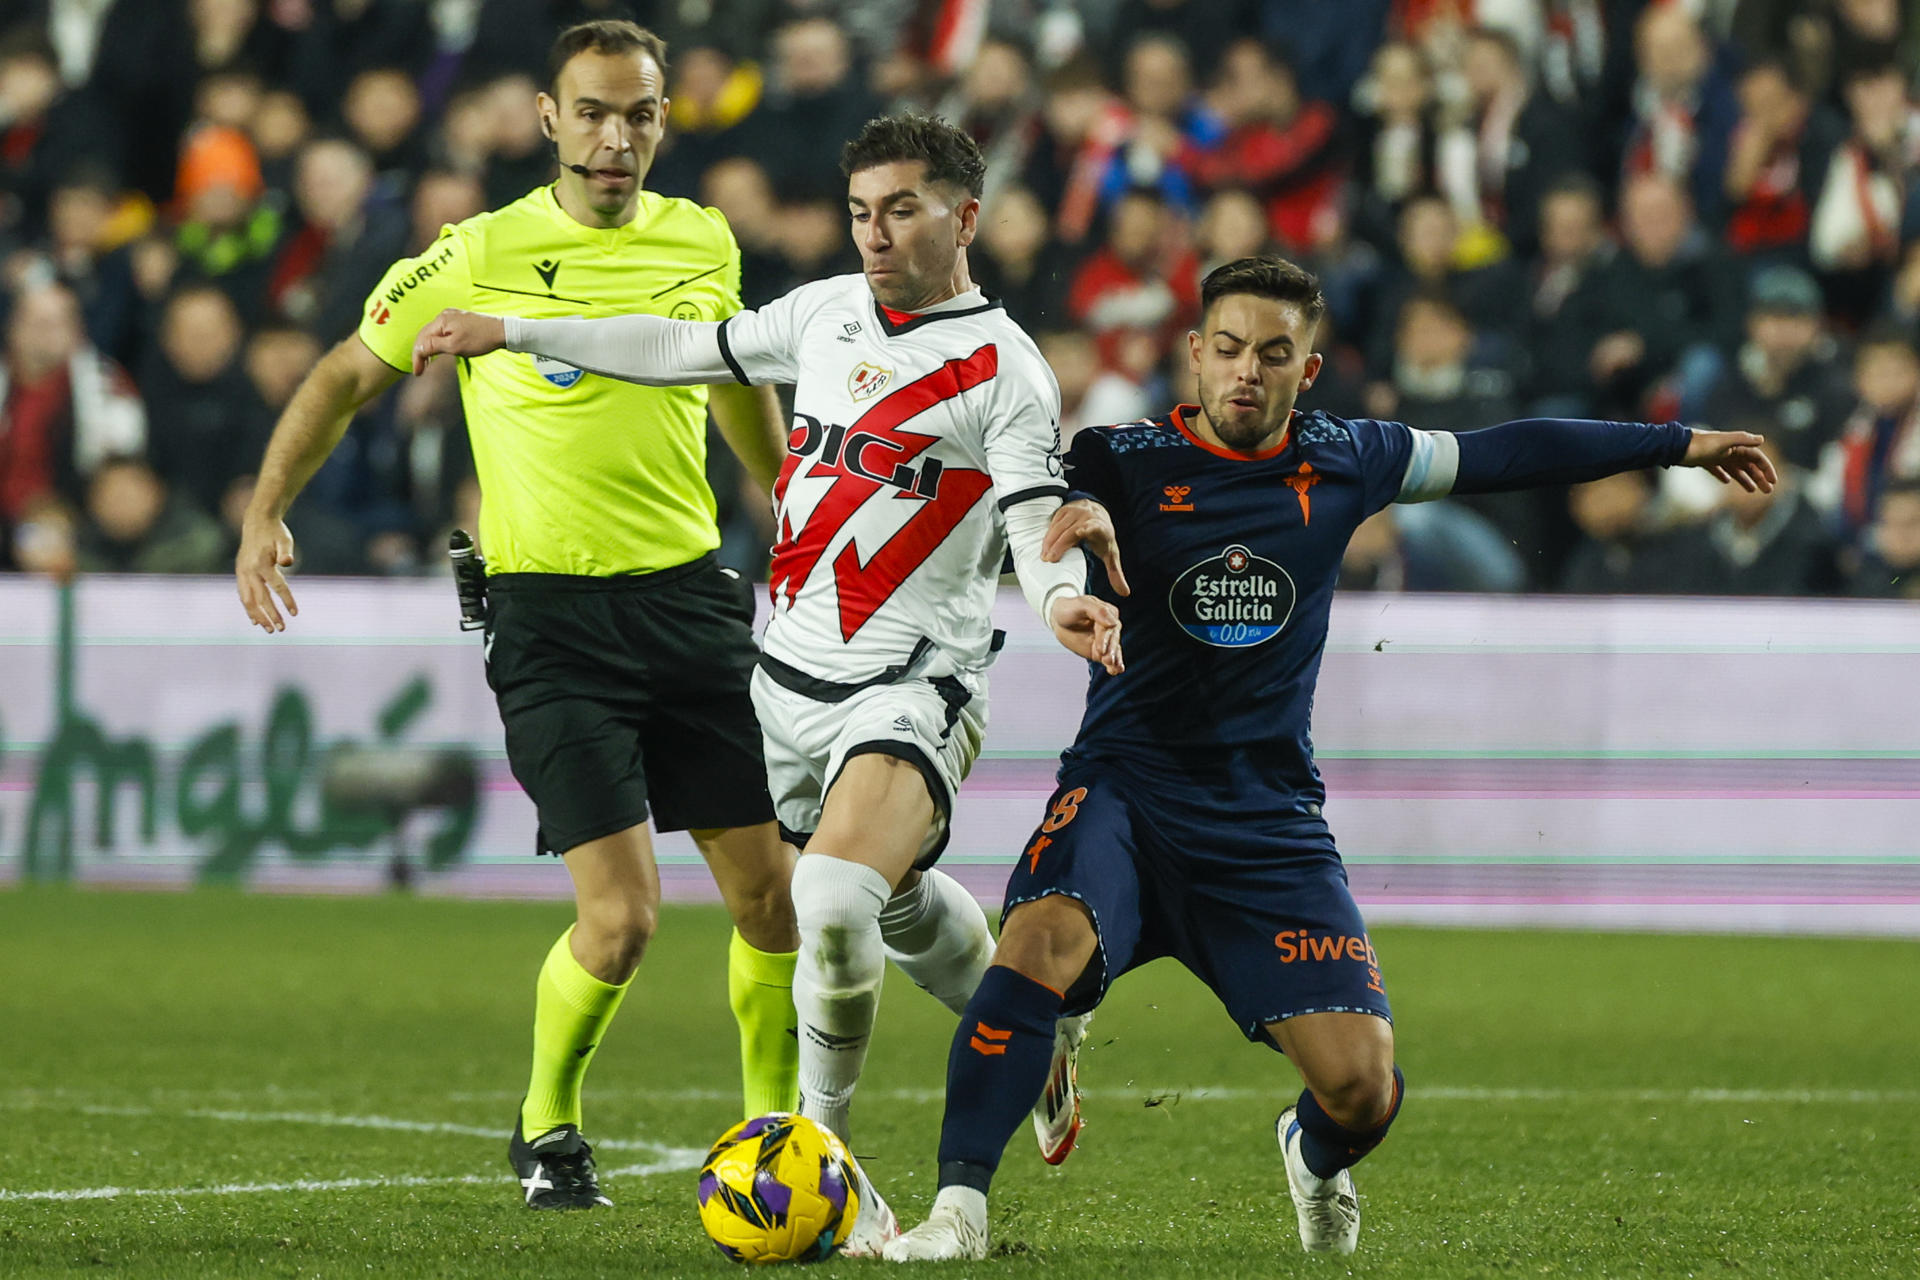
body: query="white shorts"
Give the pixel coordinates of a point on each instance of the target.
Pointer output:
(938, 726)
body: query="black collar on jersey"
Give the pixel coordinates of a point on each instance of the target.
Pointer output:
(893, 330)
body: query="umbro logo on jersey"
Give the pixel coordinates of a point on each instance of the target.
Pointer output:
(548, 271)
(852, 327)
(903, 724)
(1177, 497)
(868, 380)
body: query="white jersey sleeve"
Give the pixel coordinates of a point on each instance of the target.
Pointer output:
(762, 347)
(1022, 438)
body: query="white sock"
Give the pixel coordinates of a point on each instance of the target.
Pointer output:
(836, 982)
(938, 935)
(970, 1204)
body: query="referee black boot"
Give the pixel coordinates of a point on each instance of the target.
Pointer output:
(555, 1169)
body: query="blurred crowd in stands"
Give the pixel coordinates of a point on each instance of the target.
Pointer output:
(1574, 208)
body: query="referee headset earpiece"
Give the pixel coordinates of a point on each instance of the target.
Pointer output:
(546, 127)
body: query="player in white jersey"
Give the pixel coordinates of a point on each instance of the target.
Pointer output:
(925, 446)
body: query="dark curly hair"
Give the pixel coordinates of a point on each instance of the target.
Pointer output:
(1268, 277)
(949, 153)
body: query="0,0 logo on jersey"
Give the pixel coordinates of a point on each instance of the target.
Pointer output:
(1234, 600)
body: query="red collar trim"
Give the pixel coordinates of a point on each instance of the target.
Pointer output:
(1179, 416)
(893, 317)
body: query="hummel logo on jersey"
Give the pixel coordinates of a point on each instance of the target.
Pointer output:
(547, 271)
(1177, 498)
(868, 380)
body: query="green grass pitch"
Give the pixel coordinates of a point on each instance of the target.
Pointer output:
(298, 1087)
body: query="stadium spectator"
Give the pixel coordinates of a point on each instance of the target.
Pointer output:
(713, 92)
(518, 155)
(43, 129)
(64, 407)
(1683, 108)
(739, 188)
(1015, 260)
(1165, 122)
(1765, 544)
(349, 232)
(1429, 243)
(1666, 304)
(1435, 546)
(84, 220)
(1232, 225)
(228, 229)
(279, 128)
(1881, 441)
(1084, 123)
(814, 103)
(43, 540)
(1135, 282)
(995, 102)
(1866, 205)
(203, 426)
(1403, 144)
(1890, 569)
(1091, 394)
(1565, 321)
(1788, 374)
(1622, 549)
(382, 112)
(1776, 164)
(440, 199)
(133, 524)
(1522, 140)
(1271, 142)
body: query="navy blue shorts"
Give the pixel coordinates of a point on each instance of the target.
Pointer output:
(1265, 920)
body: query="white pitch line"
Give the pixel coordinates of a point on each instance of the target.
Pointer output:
(682, 1161)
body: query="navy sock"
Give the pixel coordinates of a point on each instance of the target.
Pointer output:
(1327, 1146)
(995, 1072)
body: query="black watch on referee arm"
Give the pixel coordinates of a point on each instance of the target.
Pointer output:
(469, 579)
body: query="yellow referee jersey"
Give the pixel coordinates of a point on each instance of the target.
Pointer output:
(579, 474)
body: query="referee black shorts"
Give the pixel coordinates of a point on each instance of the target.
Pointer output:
(620, 694)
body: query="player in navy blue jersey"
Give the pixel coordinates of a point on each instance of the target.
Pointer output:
(1188, 822)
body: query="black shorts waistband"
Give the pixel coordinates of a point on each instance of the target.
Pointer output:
(589, 582)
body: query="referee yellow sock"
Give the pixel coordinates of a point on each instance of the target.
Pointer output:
(760, 989)
(571, 1010)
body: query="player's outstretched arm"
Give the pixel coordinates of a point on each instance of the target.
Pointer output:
(651, 350)
(1090, 627)
(1733, 457)
(1543, 451)
(1085, 523)
(458, 333)
(309, 429)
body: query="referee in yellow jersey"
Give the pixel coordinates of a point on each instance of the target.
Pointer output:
(618, 649)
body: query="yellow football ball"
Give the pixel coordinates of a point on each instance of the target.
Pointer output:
(778, 1188)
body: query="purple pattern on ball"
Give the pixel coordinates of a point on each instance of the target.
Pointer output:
(757, 1126)
(709, 1183)
(833, 1186)
(773, 1193)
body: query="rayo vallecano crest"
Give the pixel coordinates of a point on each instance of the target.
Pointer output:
(868, 380)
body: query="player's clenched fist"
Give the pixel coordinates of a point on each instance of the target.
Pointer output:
(458, 333)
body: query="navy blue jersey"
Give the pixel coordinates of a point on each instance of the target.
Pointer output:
(1232, 562)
